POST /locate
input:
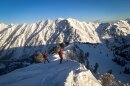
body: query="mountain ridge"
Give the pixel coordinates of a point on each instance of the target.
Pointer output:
(61, 30)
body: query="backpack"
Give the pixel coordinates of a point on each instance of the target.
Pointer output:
(45, 55)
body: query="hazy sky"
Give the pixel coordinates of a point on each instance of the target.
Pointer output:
(28, 11)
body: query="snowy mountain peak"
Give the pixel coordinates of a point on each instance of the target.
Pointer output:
(128, 19)
(2, 25)
(60, 19)
(71, 19)
(57, 31)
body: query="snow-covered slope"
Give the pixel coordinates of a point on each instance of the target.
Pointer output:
(69, 73)
(21, 41)
(101, 54)
(117, 33)
(2, 26)
(24, 38)
(16, 38)
(45, 32)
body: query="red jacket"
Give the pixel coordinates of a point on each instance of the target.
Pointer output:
(61, 53)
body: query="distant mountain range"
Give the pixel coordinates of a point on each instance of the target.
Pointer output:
(21, 36)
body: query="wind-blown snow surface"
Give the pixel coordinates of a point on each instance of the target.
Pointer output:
(69, 73)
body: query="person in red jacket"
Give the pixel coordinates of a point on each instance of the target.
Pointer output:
(45, 56)
(61, 53)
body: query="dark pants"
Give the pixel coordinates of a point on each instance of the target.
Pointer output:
(46, 60)
(61, 59)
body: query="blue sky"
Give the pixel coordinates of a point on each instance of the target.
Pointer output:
(28, 11)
